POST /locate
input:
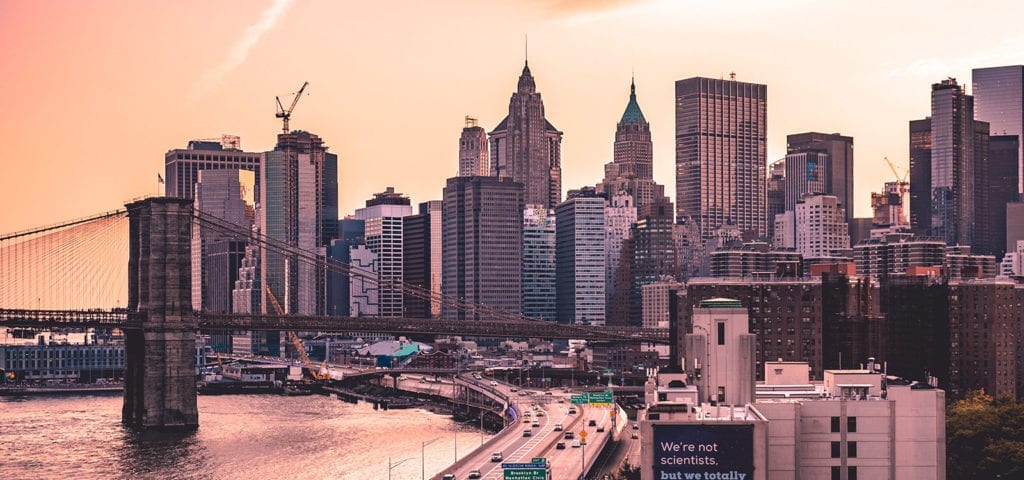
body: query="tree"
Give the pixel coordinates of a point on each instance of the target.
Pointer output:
(985, 438)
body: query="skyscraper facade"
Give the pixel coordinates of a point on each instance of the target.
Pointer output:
(299, 182)
(421, 244)
(776, 193)
(619, 217)
(482, 241)
(526, 148)
(182, 166)
(383, 217)
(632, 167)
(921, 176)
(580, 258)
(350, 234)
(473, 156)
(805, 173)
(721, 134)
(953, 161)
(821, 229)
(838, 164)
(652, 250)
(1000, 189)
(999, 100)
(228, 195)
(539, 263)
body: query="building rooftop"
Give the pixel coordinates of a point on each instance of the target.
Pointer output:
(720, 303)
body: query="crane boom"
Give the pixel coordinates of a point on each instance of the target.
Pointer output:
(285, 115)
(901, 179)
(318, 374)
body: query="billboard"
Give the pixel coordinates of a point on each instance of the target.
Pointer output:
(696, 451)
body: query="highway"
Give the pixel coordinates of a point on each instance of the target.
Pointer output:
(515, 448)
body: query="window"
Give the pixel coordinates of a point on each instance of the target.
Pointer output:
(721, 333)
(721, 394)
(851, 424)
(851, 473)
(835, 473)
(835, 449)
(835, 424)
(851, 449)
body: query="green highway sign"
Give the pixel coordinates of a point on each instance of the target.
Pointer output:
(579, 399)
(539, 460)
(607, 372)
(525, 474)
(600, 397)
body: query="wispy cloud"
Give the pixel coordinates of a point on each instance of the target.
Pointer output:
(240, 50)
(1007, 52)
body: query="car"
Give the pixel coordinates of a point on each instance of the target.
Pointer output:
(561, 400)
(448, 476)
(496, 457)
(536, 424)
(493, 383)
(513, 389)
(526, 420)
(422, 380)
(558, 427)
(528, 413)
(569, 435)
(600, 429)
(547, 392)
(635, 435)
(475, 474)
(522, 393)
(576, 444)
(527, 433)
(560, 446)
(572, 411)
(636, 426)
(540, 413)
(592, 423)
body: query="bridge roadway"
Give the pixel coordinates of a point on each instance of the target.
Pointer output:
(123, 319)
(565, 463)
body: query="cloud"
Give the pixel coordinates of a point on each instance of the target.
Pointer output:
(1007, 52)
(240, 50)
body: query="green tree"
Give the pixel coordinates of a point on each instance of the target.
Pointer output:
(984, 438)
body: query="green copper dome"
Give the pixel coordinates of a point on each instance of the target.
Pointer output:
(632, 113)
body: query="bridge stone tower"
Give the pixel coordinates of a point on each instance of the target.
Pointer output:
(160, 362)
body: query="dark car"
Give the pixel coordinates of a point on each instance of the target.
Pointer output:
(600, 429)
(569, 436)
(560, 446)
(592, 423)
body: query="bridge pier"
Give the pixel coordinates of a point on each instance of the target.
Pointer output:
(160, 377)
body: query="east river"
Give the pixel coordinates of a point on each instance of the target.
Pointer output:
(240, 437)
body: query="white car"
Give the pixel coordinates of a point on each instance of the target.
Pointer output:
(493, 383)
(496, 457)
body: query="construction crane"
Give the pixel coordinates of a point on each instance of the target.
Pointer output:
(283, 114)
(901, 179)
(317, 373)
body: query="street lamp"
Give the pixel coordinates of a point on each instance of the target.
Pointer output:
(423, 457)
(391, 466)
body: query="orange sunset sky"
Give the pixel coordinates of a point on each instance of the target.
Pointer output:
(95, 92)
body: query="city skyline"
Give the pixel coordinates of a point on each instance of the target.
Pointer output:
(124, 75)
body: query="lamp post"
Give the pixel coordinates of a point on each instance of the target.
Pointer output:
(423, 457)
(391, 466)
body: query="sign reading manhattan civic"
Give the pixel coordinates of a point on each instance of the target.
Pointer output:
(703, 452)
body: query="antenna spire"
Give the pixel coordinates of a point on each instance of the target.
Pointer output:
(526, 49)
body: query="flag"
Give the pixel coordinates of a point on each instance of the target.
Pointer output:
(159, 179)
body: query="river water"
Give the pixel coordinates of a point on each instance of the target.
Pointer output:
(240, 437)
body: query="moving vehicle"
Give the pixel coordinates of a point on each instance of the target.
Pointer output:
(536, 424)
(560, 446)
(558, 427)
(576, 444)
(572, 411)
(592, 423)
(635, 436)
(569, 435)
(448, 476)
(527, 433)
(475, 474)
(496, 457)
(600, 429)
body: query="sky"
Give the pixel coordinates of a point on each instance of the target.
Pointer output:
(94, 93)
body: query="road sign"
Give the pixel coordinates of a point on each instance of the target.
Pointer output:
(514, 466)
(600, 397)
(583, 435)
(579, 399)
(526, 474)
(540, 460)
(608, 372)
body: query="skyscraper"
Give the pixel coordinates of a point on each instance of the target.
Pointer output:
(539, 263)
(776, 193)
(580, 258)
(526, 148)
(482, 224)
(632, 168)
(921, 176)
(837, 165)
(619, 217)
(384, 215)
(805, 173)
(228, 195)
(350, 234)
(473, 159)
(953, 161)
(652, 254)
(821, 230)
(999, 100)
(721, 130)
(421, 266)
(299, 182)
(182, 166)
(1001, 189)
